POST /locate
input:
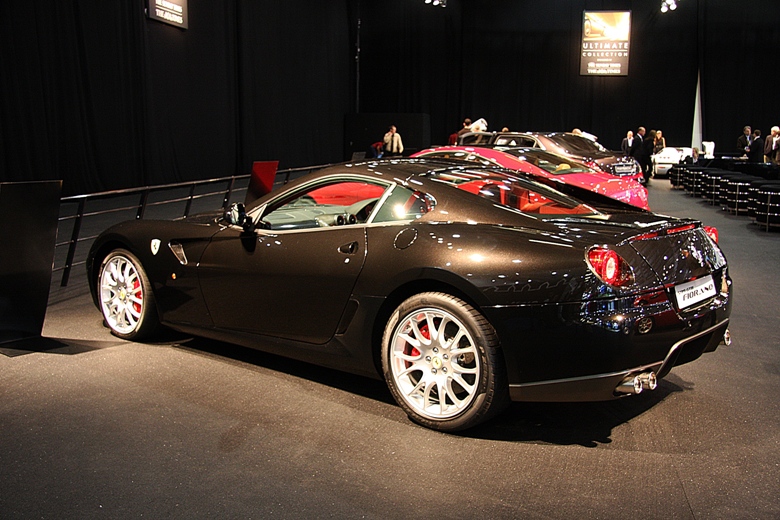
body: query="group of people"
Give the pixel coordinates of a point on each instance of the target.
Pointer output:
(756, 148)
(642, 146)
(480, 125)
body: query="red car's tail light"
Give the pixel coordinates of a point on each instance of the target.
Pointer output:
(712, 232)
(680, 229)
(609, 266)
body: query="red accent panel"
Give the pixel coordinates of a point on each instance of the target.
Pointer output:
(262, 180)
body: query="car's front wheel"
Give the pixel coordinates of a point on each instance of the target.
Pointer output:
(441, 361)
(125, 296)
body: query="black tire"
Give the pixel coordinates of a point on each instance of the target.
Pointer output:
(125, 297)
(441, 384)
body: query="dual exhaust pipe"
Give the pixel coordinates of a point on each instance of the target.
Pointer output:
(634, 384)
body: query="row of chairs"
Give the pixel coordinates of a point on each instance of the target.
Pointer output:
(737, 193)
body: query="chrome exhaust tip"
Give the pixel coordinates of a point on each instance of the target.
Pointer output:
(635, 384)
(648, 380)
(630, 385)
(727, 338)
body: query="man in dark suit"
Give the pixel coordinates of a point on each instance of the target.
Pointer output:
(743, 141)
(756, 152)
(639, 152)
(636, 144)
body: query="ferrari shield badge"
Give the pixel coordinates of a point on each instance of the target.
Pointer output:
(155, 245)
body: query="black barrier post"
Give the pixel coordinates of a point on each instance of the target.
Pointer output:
(74, 239)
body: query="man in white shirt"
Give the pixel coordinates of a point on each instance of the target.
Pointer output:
(628, 140)
(771, 146)
(393, 143)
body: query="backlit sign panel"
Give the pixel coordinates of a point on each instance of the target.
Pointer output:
(172, 12)
(605, 43)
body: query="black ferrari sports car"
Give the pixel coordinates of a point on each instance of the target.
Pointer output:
(464, 287)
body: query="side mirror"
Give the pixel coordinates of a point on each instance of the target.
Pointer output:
(236, 215)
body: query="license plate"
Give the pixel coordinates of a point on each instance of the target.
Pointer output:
(624, 168)
(691, 293)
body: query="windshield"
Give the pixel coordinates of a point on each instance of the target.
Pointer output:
(575, 144)
(513, 192)
(550, 162)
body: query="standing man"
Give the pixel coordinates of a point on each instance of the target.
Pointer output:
(771, 145)
(628, 140)
(466, 127)
(756, 153)
(639, 152)
(743, 141)
(393, 143)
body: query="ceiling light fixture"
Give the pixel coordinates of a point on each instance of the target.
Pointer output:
(668, 5)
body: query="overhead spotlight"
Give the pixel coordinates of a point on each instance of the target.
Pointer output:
(439, 3)
(428, 1)
(668, 5)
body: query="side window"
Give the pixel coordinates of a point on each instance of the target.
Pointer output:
(334, 204)
(404, 204)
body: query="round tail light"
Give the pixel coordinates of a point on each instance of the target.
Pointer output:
(609, 266)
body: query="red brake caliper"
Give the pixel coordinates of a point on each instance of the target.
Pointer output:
(136, 305)
(412, 351)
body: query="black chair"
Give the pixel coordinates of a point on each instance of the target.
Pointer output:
(676, 174)
(737, 193)
(710, 184)
(753, 194)
(723, 187)
(768, 205)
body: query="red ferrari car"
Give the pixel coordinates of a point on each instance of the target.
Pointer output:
(546, 164)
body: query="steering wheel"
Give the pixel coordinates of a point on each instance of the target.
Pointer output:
(362, 209)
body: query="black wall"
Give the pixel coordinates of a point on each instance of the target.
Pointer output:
(98, 95)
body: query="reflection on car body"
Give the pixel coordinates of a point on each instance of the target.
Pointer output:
(540, 163)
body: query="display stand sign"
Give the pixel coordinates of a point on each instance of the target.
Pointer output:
(605, 43)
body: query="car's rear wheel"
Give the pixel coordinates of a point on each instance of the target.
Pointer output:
(442, 363)
(126, 297)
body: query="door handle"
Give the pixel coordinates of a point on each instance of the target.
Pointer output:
(349, 249)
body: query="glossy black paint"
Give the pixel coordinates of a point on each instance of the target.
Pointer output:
(324, 295)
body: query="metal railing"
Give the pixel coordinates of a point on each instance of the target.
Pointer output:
(90, 214)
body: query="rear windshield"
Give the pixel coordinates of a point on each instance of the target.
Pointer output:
(576, 145)
(516, 193)
(550, 162)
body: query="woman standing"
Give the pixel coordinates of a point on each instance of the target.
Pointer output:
(660, 142)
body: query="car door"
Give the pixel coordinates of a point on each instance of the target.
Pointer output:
(292, 278)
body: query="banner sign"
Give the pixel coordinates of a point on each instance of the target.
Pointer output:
(172, 12)
(605, 43)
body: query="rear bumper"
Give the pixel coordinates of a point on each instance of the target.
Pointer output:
(601, 387)
(582, 351)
